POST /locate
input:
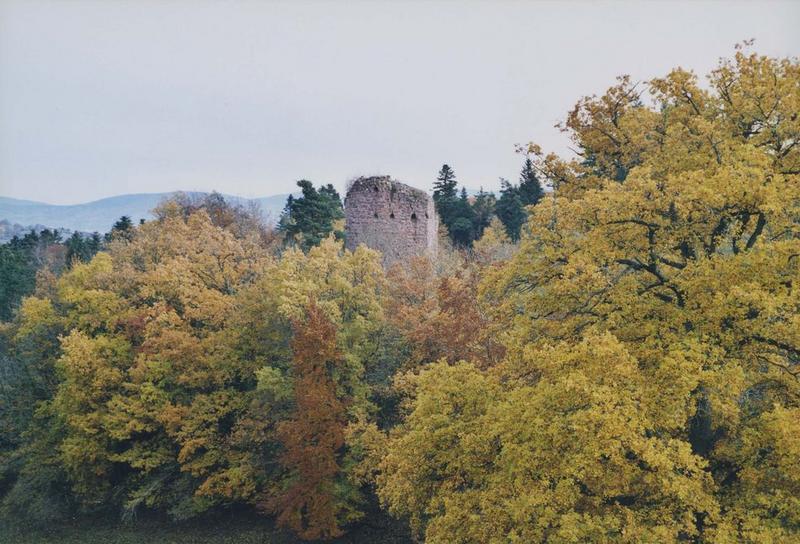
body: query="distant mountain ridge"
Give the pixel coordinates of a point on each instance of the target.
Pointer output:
(8, 230)
(100, 215)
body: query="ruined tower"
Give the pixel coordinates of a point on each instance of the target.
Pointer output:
(397, 220)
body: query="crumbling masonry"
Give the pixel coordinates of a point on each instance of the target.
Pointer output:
(391, 217)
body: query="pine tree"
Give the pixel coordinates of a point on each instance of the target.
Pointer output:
(122, 229)
(483, 209)
(76, 248)
(285, 221)
(444, 189)
(510, 209)
(462, 221)
(81, 248)
(530, 188)
(455, 211)
(310, 219)
(20, 260)
(445, 197)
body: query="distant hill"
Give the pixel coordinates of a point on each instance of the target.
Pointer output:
(8, 230)
(100, 215)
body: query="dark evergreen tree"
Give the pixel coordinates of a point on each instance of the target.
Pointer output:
(530, 188)
(510, 209)
(329, 191)
(122, 229)
(82, 248)
(462, 221)
(445, 196)
(75, 248)
(95, 242)
(47, 237)
(444, 189)
(309, 219)
(454, 210)
(17, 277)
(483, 208)
(123, 224)
(20, 259)
(285, 221)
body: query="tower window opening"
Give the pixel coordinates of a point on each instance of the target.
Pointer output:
(413, 217)
(391, 215)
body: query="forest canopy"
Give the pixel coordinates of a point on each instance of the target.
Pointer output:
(622, 365)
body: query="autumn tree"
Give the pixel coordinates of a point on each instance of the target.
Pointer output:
(314, 436)
(147, 394)
(494, 246)
(650, 379)
(440, 315)
(346, 289)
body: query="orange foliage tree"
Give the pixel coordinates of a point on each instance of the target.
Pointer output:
(314, 436)
(439, 315)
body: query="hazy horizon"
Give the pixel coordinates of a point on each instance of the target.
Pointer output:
(102, 99)
(120, 195)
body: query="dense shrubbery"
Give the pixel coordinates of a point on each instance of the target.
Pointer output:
(628, 372)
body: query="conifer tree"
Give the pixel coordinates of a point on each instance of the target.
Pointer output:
(445, 198)
(462, 221)
(444, 189)
(122, 229)
(530, 188)
(310, 219)
(483, 209)
(81, 248)
(510, 209)
(20, 260)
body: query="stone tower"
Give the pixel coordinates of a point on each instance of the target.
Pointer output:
(397, 220)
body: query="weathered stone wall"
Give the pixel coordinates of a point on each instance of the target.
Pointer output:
(397, 220)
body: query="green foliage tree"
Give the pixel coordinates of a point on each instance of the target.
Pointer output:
(510, 210)
(121, 230)
(445, 187)
(455, 210)
(82, 248)
(462, 221)
(20, 260)
(530, 188)
(309, 219)
(445, 198)
(483, 209)
(165, 374)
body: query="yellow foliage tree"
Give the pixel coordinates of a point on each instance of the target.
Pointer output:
(652, 334)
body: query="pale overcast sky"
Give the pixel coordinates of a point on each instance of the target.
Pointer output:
(99, 98)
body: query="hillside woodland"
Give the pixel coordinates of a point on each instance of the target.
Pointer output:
(628, 370)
